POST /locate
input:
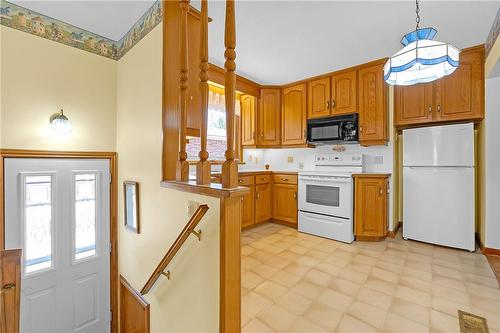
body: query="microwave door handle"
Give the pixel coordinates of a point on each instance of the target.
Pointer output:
(340, 131)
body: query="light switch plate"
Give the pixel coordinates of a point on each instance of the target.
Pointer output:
(290, 159)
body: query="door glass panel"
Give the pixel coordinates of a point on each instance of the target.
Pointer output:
(37, 222)
(323, 195)
(85, 215)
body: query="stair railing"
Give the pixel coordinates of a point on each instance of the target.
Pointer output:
(188, 230)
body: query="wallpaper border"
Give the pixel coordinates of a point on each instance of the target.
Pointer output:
(23, 19)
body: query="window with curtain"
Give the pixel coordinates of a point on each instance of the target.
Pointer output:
(216, 128)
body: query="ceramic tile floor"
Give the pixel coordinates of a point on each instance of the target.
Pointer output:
(294, 282)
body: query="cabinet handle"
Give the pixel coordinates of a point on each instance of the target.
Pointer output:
(261, 134)
(333, 103)
(7, 287)
(258, 195)
(240, 181)
(327, 105)
(295, 195)
(439, 107)
(430, 109)
(360, 129)
(284, 179)
(242, 198)
(380, 191)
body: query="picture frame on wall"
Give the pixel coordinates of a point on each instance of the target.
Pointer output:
(131, 206)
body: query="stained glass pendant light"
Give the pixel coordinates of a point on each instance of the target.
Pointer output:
(421, 59)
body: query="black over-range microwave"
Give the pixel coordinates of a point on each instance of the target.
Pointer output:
(337, 129)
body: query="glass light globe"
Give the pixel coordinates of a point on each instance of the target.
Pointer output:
(60, 124)
(421, 60)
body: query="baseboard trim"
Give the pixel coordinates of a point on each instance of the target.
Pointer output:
(392, 234)
(286, 224)
(487, 250)
(490, 251)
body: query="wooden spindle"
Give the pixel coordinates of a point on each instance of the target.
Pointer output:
(182, 171)
(230, 167)
(203, 165)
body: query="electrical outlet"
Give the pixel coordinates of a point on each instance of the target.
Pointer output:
(301, 165)
(250, 158)
(256, 160)
(192, 207)
(290, 159)
(378, 160)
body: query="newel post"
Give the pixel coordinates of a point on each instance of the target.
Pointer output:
(182, 170)
(203, 165)
(230, 167)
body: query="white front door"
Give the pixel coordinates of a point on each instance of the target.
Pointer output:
(57, 211)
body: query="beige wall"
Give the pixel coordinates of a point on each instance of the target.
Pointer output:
(38, 77)
(189, 302)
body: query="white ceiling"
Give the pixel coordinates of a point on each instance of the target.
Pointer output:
(284, 41)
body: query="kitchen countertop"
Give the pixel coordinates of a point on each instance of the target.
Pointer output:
(292, 172)
(371, 174)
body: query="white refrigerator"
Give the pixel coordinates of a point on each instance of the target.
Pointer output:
(438, 185)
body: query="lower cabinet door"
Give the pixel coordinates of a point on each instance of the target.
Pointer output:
(248, 208)
(262, 202)
(285, 203)
(370, 212)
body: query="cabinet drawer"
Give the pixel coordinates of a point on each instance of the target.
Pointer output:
(262, 179)
(284, 179)
(245, 180)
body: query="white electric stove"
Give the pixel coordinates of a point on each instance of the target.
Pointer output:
(326, 196)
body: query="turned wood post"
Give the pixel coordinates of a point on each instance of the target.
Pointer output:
(182, 170)
(230, 167)
(203, 165)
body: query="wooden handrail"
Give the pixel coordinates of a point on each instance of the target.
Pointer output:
(176, 246)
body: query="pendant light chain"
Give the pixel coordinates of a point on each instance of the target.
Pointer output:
(417, 2)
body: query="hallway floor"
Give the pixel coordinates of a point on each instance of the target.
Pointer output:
(294, 282)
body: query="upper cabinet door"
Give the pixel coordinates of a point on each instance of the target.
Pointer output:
(248, 104)
(294, 115)
(372, 106)
(460, 95)
(413, 104)
(318, 101)
(269, 117)
(344, 93)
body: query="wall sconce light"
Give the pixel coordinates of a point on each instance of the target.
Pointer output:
(60, 124)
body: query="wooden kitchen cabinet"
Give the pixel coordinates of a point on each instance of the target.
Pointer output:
(344, 93)
(413, 104)
(456, 97)
(248, 115)
(247, 218)
(318, 98)
(285, 204)
(460, 96)
(370, 206)
(269, 117)
(293, 116)
(262, 202)
(372, 100)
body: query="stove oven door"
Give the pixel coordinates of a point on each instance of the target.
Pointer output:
(326, 195)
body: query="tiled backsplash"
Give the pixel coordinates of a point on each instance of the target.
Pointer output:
(377, 158)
